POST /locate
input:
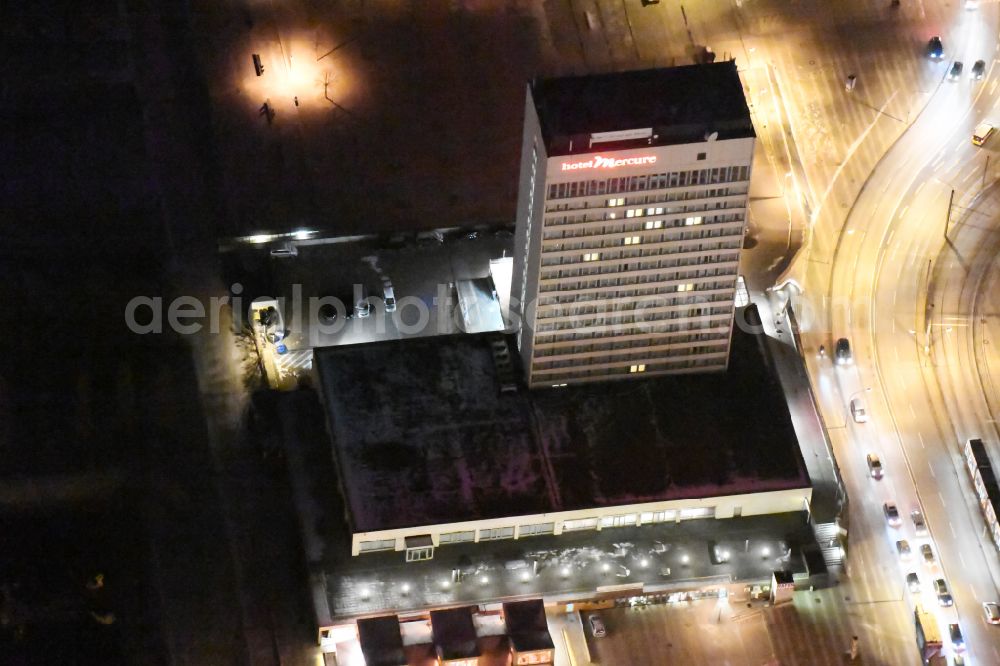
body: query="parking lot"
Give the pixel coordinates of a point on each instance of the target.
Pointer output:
(815, 629)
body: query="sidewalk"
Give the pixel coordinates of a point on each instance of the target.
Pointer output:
(568, 636)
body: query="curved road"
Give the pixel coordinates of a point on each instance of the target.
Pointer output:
(912, 381)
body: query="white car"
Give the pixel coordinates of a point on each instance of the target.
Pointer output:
(919, 525)
(859, 411)
(991, 610)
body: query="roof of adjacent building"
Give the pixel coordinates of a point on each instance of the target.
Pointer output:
(381, 641)
(527, 626)
(454, 633)
(681, 105)
(423, 436)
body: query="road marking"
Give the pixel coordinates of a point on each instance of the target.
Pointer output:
(961, 144)
(993, 88)
(960, 557)
(894, 298)
(903, 212)
(912, 412)
(974, 595)
(920, 436)
(971, 174)
(895, 350)
(953, 534)
(931, 468)
(894, 321)
(919, 187)
(941, 497)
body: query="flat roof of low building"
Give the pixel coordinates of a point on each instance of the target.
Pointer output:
(526, 625)
(680, 104)
(423, 436)
(381, 641)
(454, 633)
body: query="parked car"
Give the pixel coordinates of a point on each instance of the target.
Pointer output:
(927, 554)
(978, 70)
(874, 466)
(842, 352)
(943, 595)
(919, 525)
(597, 627)
(935, 49)
(891, 514)
(913, 582)
(955, 632)
(955, 73)
(991, 610)
(903, 548)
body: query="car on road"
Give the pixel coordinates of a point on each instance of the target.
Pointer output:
(978, 69)
(913, 582)
(955, 632)
(859, 411)
(943, 595)
(991, 610)
(927, 554)
(874, 466)
(955, 73)
(903, 548)
(842, 352)
(597, 627)
(982, 132)
(919, 524)
(935, 49)
(891, 512)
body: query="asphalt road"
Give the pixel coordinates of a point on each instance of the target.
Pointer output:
(926, 399)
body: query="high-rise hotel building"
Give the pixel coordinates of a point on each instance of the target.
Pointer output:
(631, 215)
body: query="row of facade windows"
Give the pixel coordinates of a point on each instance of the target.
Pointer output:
(654, 181)
(693, 196)
(642, 320)
(635, 356)
(635, 251)
(583, 271)
(718, 324)
(624, 520)
(668, 364)
(631, 305)
(683, 216)
(609, 235)
(640, 343)
(575, 298)
(628, 280)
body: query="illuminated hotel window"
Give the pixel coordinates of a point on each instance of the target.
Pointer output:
(654, 211)
(633, 240)
(685, 287)
(690, 221)
(592, 256)
(638, 368)
(616, 202)
(654, 224)
(633, 212)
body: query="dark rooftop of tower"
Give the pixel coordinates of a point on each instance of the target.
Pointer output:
(680, 104)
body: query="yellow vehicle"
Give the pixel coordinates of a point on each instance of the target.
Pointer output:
(982, 132)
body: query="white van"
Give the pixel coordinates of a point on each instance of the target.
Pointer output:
(982, 132)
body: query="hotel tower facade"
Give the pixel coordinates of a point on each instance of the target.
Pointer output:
(631, 216)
